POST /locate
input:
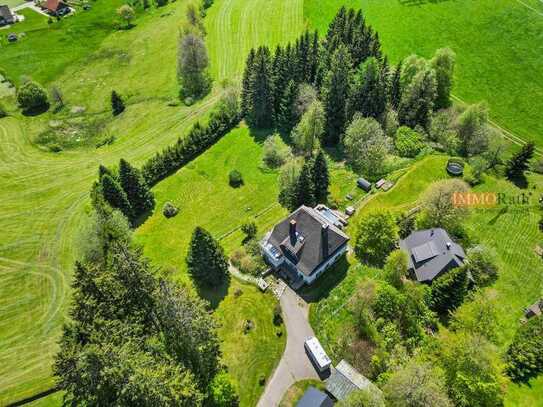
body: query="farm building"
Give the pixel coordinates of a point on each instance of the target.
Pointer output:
(315, 398)
(6, 17)
(305, 244)
(431, 253)
(345, 379)
(364, 184)
(54, 7)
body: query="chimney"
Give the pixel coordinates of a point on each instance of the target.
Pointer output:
(324, 234)
(448, 245)
(292, 230)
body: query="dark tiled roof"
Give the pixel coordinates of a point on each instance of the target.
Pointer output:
(306, 251)
(432, 252)
(345, 379)
(5, 14)
(315, 398)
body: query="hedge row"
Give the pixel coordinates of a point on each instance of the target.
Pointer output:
(187, 148)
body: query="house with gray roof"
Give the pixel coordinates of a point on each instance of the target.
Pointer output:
(6, 17)
(345, 379)
(305, 244)
(431, 253)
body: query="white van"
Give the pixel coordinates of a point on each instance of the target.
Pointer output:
(317, 354)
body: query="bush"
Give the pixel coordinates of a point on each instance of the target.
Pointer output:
(235, 179)
(3, 111)
(169, 210)
(525, 355)
(249, 229)
(408, 142)
(32, 96)
(277, 315)
(276, 152)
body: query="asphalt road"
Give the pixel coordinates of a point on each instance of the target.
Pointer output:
(294, 364)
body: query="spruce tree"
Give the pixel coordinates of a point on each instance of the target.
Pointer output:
(246, 82)
(117, 104)
(334, 91)
(279, 79)
(396, 87)
(321, 178)
(260, 110)
(206, 261)
(449, 291)
(288, 116)
(305, 188)
(116, 197)
(368, 93)
(520, 162)
(103, 170)
(138, 193)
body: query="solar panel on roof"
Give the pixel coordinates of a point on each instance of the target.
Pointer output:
(425, 251)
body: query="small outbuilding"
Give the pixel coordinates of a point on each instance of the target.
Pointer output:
(364, 184)
(315, 398)
(345, 380)
(534, 310)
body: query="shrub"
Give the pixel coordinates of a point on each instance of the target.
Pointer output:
(169, 210)
(235, 179)
(32, 96)
(249, 229)
(525, 354)
(449, 291)
(3, 111)
(223, 392)
(277, 315)
(408, 142)
(276, 152)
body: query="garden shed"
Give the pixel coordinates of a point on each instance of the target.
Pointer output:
(364, 184)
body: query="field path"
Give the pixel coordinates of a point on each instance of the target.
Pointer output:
(42, 209)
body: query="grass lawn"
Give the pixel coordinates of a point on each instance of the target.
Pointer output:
(202, 193)
(498, 43)
(255, 354)
(33, 21)
(236, 26)
(297, 390)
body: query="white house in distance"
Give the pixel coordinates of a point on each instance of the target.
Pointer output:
(306, 243)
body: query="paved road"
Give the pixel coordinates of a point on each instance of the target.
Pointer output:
(294, 364)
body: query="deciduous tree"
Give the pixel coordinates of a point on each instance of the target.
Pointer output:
(377, 237)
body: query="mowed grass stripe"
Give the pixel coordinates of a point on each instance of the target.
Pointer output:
(236, 26)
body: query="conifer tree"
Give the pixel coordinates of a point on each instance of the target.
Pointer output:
(321, 178)
(368, 93)
(116, 197)
(396, 86)
(206, 261)
(334, 91)
(449, 290)
(138, 193)
(520, 162)
(417, 101)
(103, 170)
(260, 110)
(280, 80)
(288, 116)
(305, 189)
(246, 82)
(117, 104)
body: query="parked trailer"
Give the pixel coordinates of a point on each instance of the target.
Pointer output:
(317, 354)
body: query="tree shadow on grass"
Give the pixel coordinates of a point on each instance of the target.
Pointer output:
(326, 282)
(260, 135)
(520, 181)
(214, 295)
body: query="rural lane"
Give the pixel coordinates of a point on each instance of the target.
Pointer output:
(294, 364)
